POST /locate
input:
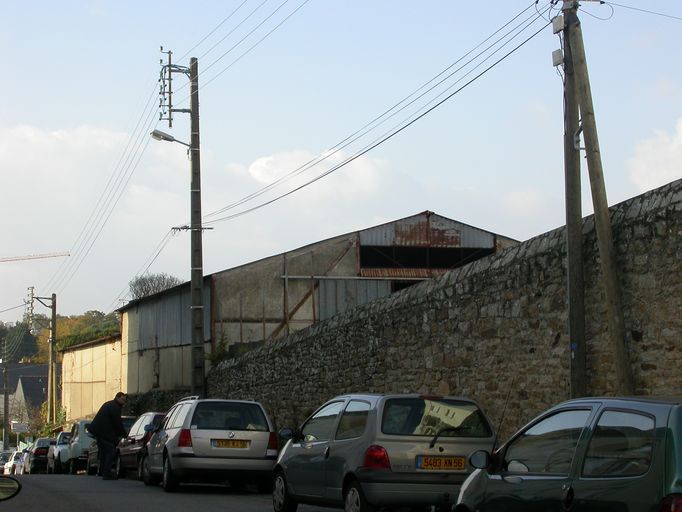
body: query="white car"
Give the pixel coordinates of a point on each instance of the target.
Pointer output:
(14, 462)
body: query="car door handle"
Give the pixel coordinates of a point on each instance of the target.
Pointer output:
(568, 499)
(326, 452)
(513, 479)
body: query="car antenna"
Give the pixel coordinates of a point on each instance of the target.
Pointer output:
(504, 410)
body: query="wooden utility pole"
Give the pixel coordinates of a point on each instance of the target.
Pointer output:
(576, 286)
(614, 306)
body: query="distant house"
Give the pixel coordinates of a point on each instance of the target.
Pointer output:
(25, 382)
(267, 299)
(30, 395)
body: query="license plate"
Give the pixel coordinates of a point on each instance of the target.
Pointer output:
(229, 443)
(441, 463)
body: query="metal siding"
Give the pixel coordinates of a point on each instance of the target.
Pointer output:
(339, 295)
(426, 230)
(165, 321)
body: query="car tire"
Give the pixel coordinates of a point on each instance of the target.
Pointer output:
(92, 470)
(145, 472)
(281, 500)
(169, 481)
(73, 468)
(118, 467)
(354, 500)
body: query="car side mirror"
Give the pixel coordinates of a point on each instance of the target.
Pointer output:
(286, 433)
(480, 459)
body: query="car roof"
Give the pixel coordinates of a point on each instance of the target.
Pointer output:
(634, 399)
(376, 396)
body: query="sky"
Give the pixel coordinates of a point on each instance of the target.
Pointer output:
(284, 82)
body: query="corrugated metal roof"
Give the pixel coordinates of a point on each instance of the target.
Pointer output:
(426, 230)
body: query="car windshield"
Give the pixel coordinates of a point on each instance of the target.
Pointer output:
(128, 422)
(418, 416)
(229, 416)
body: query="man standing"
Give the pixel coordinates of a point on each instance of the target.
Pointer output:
(107, 428)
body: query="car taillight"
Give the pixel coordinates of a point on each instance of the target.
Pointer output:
(185, 439)
(41, 451)
(376, 457)
(272, 441)
(672, 503)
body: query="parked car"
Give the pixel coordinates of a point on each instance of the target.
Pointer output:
(589, 454)
(92, 465)
(58, 454)
(35, 459)
(14, 461)
(130, 449)
(363, 451)
(78, 447)
(212, 440)
(22, 468)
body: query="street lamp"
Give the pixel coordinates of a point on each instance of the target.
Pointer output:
(196, 260)
(159, 135)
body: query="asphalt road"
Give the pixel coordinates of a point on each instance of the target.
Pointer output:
(83, 493)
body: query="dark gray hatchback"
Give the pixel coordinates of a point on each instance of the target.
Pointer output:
(363, 451)
(584, 455)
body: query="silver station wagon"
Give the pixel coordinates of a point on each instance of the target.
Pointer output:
(211, 440)
(367, 450)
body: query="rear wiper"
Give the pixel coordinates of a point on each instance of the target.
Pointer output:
(442, 431)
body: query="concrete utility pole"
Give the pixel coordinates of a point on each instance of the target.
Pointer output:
(49, 302)
(197, 283)
(614, 306)
(197, 362)
(576, 286)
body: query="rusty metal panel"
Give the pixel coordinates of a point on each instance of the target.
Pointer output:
(426, 230)
(403, 273)
(339, 295)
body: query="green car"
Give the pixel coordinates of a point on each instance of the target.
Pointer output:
(589, 454)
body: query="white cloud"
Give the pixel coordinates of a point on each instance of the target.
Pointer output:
(657, 160)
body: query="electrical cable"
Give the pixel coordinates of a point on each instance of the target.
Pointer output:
(373, 146)
(598, 17)
(213, 31)
(354, 137)
(643, 10)
(12, 308)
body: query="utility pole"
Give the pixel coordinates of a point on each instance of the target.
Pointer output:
(49, 302)
(5, 398)
(574, 251)
(197, 284)
(616, 325)
(197, 362)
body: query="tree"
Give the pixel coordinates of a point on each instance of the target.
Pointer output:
(150, 284)
(16, 342)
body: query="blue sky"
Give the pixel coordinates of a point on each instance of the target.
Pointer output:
(78, 76)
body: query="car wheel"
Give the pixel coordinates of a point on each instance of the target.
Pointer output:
(281, 500)
(169, 481)
(118, 466)
(73, 469)
(354, 500)
(145, 472)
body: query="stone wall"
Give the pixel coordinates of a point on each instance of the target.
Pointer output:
(495, 330)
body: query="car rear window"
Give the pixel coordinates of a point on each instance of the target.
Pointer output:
(229, 416)
(417, 416)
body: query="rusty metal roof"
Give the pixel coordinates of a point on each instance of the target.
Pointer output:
(404, 273)
(427, 229)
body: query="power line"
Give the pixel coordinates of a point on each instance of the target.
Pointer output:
(213, 31)
(376, 144)
(368, 127)
(643, 10)
(12, 308)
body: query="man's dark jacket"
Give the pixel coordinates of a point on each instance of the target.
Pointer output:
(107, 422)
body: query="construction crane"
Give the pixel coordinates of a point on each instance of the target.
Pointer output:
(35, 256)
